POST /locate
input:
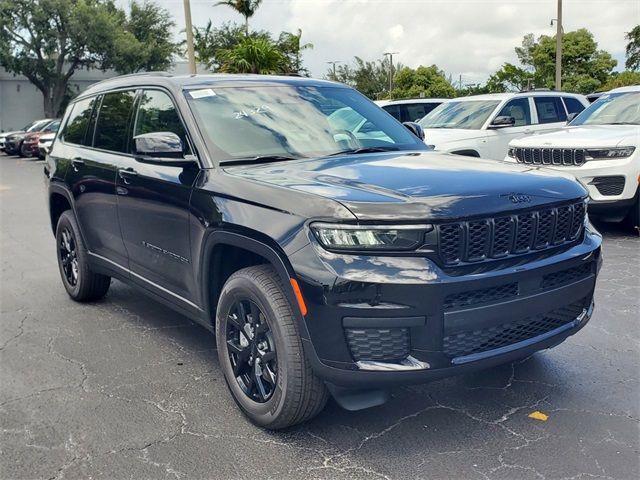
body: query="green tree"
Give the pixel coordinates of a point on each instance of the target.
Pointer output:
(144, 44)
(246, 8)
(290, 44)
(509, 78)
(370, 78)
(584, 67)
(622, 79)
(633, 49)
(253, 55)
(47, 41)
(421, 82)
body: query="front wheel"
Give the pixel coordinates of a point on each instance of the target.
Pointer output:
(633, 217)
(260, 351)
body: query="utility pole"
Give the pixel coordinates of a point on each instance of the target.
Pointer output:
(390, 55)
(187, 20)
(333, 63)
(559, 31)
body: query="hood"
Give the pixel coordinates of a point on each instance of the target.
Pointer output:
(441, 136)
(584, 136)
(416, 185)
(6, 134)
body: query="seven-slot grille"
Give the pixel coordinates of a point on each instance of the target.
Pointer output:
(500, 237)
(550, 156)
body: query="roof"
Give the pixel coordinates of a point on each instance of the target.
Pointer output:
(630, 88)
(414, 100)
(192, 81)
(506, 96)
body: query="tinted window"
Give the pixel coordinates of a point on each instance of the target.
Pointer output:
(52, 127)
(393, 110)
(157, 113)
(573, 105)
(517, 108)
(468, 114)
(550, 109)
(111, 127)
(412, 112)
(76, 127)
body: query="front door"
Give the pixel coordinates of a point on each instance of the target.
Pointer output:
(499, 138)
(153, 207)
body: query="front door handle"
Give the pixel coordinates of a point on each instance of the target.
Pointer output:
(77, 163)
(126, 174)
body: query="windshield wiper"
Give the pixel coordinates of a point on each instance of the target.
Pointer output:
(356, 151)
(260, 159)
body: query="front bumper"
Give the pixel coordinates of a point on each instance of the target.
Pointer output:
(431, 323)
(30, 149)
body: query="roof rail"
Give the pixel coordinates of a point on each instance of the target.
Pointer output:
(157, 74)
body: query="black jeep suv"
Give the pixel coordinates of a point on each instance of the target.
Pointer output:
(328, 248)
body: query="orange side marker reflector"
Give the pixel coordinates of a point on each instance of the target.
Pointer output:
(298, 293)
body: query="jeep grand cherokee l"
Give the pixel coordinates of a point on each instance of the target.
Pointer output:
(325, 263)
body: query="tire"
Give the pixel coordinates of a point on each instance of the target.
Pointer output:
(633, 217)
(21, 150)
(82, 284)
(296, 394)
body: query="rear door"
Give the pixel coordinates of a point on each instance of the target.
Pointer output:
(550, 113)
(153, 206)
(95, 154)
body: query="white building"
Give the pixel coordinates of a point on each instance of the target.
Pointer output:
(22, 103)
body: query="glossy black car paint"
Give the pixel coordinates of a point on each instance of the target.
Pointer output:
(166, 228)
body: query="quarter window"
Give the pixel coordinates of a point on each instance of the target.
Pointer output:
(76, 128)
(550, 110)
(519, 109)
(157, 113)
(113, 119)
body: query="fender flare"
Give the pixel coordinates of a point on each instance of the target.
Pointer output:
(277, 260)
(61, 190)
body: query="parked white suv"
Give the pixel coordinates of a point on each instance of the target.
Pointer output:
(600, 147)
(483, 125)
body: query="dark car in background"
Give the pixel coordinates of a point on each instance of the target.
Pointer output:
(13, 142)
(29, 147)
(326, 261)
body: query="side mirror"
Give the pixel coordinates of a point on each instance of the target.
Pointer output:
(415, 128)
(502, 122)
(160, 148)
(571, 116)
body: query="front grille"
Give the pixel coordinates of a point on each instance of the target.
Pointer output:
(499, 237)
(609, 186)
(483, 295)
(550, 156)
(378, 344)
(567, 276)
(483, 340)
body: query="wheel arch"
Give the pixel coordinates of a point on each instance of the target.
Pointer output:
(60, 200)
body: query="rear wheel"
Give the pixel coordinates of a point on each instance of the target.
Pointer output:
(633, 217)
(260, 351)
(81, 283)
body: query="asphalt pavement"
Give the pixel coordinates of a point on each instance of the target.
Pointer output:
(125, 388)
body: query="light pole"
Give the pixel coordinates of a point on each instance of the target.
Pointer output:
(390, 55)
(559, 32)
(333, 63)
(187, 20)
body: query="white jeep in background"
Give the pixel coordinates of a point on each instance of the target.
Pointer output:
(600, 148)
(483, 125)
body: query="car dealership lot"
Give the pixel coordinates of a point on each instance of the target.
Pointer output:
(125, 388)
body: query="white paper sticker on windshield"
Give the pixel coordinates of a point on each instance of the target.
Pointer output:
(205, 92)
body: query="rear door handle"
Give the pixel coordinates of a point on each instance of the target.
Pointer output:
(126, 174)
(77, 163)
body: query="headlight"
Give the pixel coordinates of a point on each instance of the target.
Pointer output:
(369, 237)
(511, 152)
(610, 153)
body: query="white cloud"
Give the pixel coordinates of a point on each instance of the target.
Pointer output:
(468, 37)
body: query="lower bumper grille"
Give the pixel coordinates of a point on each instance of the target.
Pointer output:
(482, 340)
(378, 344)
(609, 186)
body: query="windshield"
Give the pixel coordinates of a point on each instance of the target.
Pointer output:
(36, 127)
(611, 109)
(470, 115)
(248, 122)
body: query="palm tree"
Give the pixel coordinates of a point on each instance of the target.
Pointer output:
(290, 44)
(253, 55)
(246, 8)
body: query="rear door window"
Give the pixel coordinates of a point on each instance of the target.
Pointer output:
(113, 121)
(550, 109)
(393, 110)
(519, 109)
(415, 111)
(75, 130)
(573, 105)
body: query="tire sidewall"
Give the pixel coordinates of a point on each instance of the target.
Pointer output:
(263, 414)
(66, 221)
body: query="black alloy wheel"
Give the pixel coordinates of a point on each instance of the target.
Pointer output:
(69, 257)
(251, 350)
